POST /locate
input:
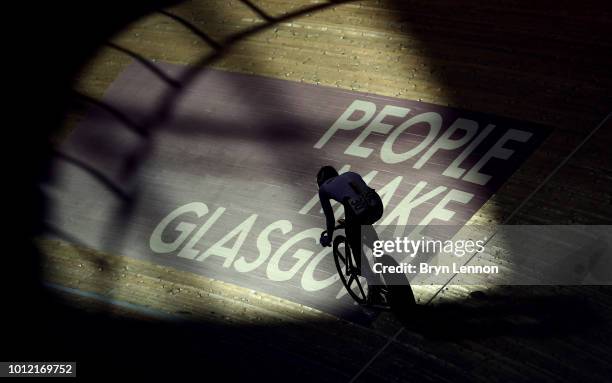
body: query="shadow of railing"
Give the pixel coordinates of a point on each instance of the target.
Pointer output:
(146, 63)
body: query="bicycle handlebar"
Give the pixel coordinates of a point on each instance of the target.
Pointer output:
(339, 226)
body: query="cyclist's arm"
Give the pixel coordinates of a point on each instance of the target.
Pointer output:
(329, 212)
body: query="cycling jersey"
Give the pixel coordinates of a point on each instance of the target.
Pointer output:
(339, 188)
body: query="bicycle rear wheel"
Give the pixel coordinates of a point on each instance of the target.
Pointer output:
(355, 285)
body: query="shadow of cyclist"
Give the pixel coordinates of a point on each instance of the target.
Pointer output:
(395, 286)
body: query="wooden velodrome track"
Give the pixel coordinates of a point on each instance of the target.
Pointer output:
(540, 62)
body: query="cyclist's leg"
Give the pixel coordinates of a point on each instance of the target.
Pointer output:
(353, 237)
(369, 236)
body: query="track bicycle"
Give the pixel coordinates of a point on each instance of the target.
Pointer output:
(397, 297)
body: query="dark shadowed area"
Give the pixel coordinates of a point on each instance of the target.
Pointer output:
(543, 62)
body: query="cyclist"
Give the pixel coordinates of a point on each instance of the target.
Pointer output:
(362, 206)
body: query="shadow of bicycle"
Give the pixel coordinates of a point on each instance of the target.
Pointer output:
(399, 294)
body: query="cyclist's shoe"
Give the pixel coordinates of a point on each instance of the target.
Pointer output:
(377, 297)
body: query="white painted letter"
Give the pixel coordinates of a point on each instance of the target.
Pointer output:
(343, 122)
(229, 253)
(445, 143)
(432, 118)
(440, 211)
(264, 246)
(156, 242)
(188, 250)
(453, 169)
(497, 151)
(273, 270)
(375, 126)
(309, 283)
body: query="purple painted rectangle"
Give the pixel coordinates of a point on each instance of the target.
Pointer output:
(239, 154)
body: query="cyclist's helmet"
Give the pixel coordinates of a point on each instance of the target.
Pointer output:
(325, 173)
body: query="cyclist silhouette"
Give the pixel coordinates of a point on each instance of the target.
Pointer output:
(362, 206)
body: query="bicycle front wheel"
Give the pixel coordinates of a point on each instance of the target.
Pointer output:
(355, 285)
